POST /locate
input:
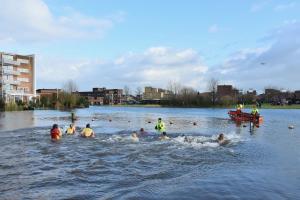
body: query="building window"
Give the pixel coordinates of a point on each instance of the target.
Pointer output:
(23, 80)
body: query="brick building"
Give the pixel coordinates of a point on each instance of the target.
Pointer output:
(103, 96)
(151, 93)
(17, 77)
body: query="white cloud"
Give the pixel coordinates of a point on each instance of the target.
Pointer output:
(258, 6)
(32, 20)
(213, 28)
(277, 64)
(283, 7)
(155, 66)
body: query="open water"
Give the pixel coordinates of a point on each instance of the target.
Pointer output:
(264, 164)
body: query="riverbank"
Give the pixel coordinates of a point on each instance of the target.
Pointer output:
(264, 106)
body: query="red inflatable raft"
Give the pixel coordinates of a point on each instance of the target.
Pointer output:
(244, 117)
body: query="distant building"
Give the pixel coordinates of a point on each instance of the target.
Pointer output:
(47, 92)
(297, 95)
(103, 96)
(17, 77)
(227, 91)
(252, 93)
(151, 93)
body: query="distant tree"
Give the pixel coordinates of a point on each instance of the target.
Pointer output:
(70, 86)
(126, 91)
(68, 97)
(2, 104)
(139, 92)
(212, 88)
(174, 87)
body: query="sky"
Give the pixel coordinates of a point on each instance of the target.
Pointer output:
(251, 44)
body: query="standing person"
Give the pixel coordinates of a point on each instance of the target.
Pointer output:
(255, 114)
(255, 111)
(87, 131)
(55, 132)
(239, 109)
(160, 126)
(70, 130)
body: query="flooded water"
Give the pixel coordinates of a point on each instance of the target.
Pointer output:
(263, 164)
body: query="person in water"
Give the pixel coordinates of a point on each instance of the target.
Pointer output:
(160, 126)
(70, 130)
(142, 132)
(55, 132)
(255, 114)
(221, 139)
(87, 131)
(134, 137)
(255, 111)
(164, 136)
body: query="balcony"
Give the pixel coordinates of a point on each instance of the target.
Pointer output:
(11, 72)
(10, 62)
(10, 82)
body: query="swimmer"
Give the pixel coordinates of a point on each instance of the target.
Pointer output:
(142, 132)
(55, 132)
(134, 137)
(87, 131)
(221, 139)
(188, 140)
(164, 136)
(70, 130)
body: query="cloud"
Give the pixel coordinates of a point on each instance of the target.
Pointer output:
(32, 20)
(276, 64)
(258, 6)
(213, 28)
(156, 66)
(283, 7)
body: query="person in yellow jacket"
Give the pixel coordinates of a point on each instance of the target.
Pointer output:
(160, 126)
(255, 111)
(87, 131)
(70, 130)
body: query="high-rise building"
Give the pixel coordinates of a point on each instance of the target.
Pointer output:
(17, 77)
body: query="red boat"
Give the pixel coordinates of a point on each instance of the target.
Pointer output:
(244, 117)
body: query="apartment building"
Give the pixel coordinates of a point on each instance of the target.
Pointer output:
(155, 94)
(17, 77)
(103, 96)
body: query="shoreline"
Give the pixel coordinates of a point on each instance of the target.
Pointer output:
(263, 107)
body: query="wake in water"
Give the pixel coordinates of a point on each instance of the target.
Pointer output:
(207, 141)
(185, 140)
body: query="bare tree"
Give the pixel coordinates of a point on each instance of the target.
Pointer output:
(70, 86)
(174, 87)
(126, 91)
(139, 92)
(212, 88)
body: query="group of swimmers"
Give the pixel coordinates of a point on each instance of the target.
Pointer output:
(88, 132)
(56, 133)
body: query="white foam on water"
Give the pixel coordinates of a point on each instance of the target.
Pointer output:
(206, 141)
(119, 138)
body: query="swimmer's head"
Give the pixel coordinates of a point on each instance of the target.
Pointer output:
(54, 126)
(142, 130)
(88, 126)
(221, 136)
(134, 134)
(164, 134)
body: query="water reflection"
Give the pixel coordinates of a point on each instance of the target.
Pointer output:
(16, 120)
